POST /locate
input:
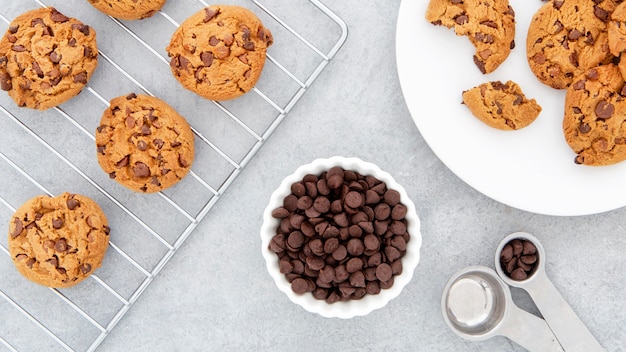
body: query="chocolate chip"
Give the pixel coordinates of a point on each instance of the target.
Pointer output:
(354, 199)
(207, 58)
(209, 14)
(584, 128)
(141, 170)
(18, 228)
(461, 19)
(158, 143)
(85, 268)
(124, 162)
(604, 109)
(57, 223)
(81, 77)
(18, 48)
(601, 13)
(72, 42)
(56, 16)
(5, 81)
(72, 203)
(13, 29)
(145, 129)
(248, 46)
(60, 245)
(84, 29)
(37, 69)
(141, 145)
(182, 161)
(300, 285)
(384, 272)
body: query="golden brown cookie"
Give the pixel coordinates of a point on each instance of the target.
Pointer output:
(128, 9)
(617, 30)
(565, 38)
(594, 122)
(58, 241)
(46, 58)
(501, 106)
(489, 25)
(219, 52)
(144, 144)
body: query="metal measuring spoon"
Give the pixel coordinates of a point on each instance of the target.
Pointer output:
(477, 305)
(572, 334)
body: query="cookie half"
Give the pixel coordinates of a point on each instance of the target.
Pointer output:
(566, 38)
(501, 106)
(58, 241)
(46, 58)
(594, 122)
(489, 25)
(144, 144)
(128, 9)
(219, 52)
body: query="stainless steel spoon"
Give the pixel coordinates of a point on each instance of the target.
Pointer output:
(572, 334)
(477, 305)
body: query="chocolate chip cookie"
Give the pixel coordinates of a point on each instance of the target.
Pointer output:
(501, 106)
(144, 144)
(58, 241)
(46, 58)
(128, 9)
(566, 38)
(219, 52)
(489, 25)
(617, 30)
(594, 121)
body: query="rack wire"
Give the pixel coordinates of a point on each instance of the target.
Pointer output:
(53, 151)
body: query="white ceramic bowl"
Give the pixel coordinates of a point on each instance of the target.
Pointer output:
(351, 308)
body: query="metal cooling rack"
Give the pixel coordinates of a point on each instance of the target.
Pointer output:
(52, 151)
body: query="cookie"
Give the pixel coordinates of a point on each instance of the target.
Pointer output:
(594, 121)
(566, 38)
(501, 106)
(144, 144)
(489, 25)
(46, 58)
(58, 241)
(219, 52)
(617, 30)
(128, 9)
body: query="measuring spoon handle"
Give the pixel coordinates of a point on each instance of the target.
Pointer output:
(529, 331)
(572, 334)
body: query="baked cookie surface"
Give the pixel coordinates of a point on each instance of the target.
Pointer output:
(617, 30)
(144, 144)
(46, 58)
(58, 241)
(565, 38)
(128, 9)
(501, 106)
(219, 52)
(489, 25)
(594, 122)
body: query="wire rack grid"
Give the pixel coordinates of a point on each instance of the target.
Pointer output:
(52, 151)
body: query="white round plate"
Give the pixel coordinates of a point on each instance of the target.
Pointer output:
(531, 169)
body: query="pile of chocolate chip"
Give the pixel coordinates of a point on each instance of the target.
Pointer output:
(518, 259)
(341, 236)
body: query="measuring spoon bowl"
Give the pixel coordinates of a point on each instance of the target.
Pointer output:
(477, 305)
(572, 334)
